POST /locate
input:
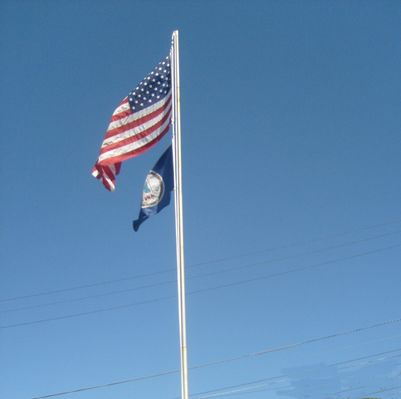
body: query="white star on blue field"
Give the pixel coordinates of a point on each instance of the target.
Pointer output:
(154, 87)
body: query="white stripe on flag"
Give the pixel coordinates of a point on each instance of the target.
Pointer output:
(133, 146)
(136, 130)
(140, 114)
(124, 106)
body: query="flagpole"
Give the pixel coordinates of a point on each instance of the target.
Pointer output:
(175, 68)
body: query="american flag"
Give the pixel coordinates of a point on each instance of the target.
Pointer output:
(138, 123)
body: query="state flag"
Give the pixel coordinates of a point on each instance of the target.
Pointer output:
(157, 188)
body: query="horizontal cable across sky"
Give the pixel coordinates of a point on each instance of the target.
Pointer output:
(250, 355)
(232, 257)
(202, 290)
(173, 281)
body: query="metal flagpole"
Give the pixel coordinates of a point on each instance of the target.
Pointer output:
(179, 232)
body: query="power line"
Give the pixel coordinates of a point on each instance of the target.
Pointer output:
(199, 291)
(110, 384)
(301, 343)
(383, 390)
(238, 358)
(219, 260)
(363, 387)
(265, 262)
(78, 287)
(90, 312)
(357, 359)
(235, 389)
(314, 252)
(153, 285)
(256, 389)
(300, 243)
(295, 270)
(82, 298)
(251, 384)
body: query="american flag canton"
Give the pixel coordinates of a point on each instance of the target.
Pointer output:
(137, 124)
(154, 87)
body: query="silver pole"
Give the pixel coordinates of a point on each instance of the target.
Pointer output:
(175, 69)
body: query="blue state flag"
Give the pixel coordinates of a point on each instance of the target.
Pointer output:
(157, 188)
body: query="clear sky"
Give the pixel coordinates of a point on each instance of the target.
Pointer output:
(291, 172)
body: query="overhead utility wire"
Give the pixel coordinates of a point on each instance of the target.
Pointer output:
(215, 392)
(237, 388)
(264, 262)
(357, 359)
(90, 312)
(197, 276)
(331, 395)
(115, 292)
(212, 261)
(381, 391)
(256, 389)
(299, 243)
(295, 270)
(365, 396)
(90, 285)
(381, 339)
(233, 359)
(82, 298)
(110, 384)
(300, 343)
(199, 291)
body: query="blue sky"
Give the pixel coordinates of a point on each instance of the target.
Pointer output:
(291, 175)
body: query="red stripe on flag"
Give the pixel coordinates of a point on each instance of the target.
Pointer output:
(121, 114)
(106, 174)
(138, 151)
(137, 136)
(138, 122)
(130, 132)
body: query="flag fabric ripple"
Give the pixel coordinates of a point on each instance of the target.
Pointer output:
(157, 188)
(137, 124)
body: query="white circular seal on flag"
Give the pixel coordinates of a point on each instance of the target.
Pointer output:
(153, 190)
